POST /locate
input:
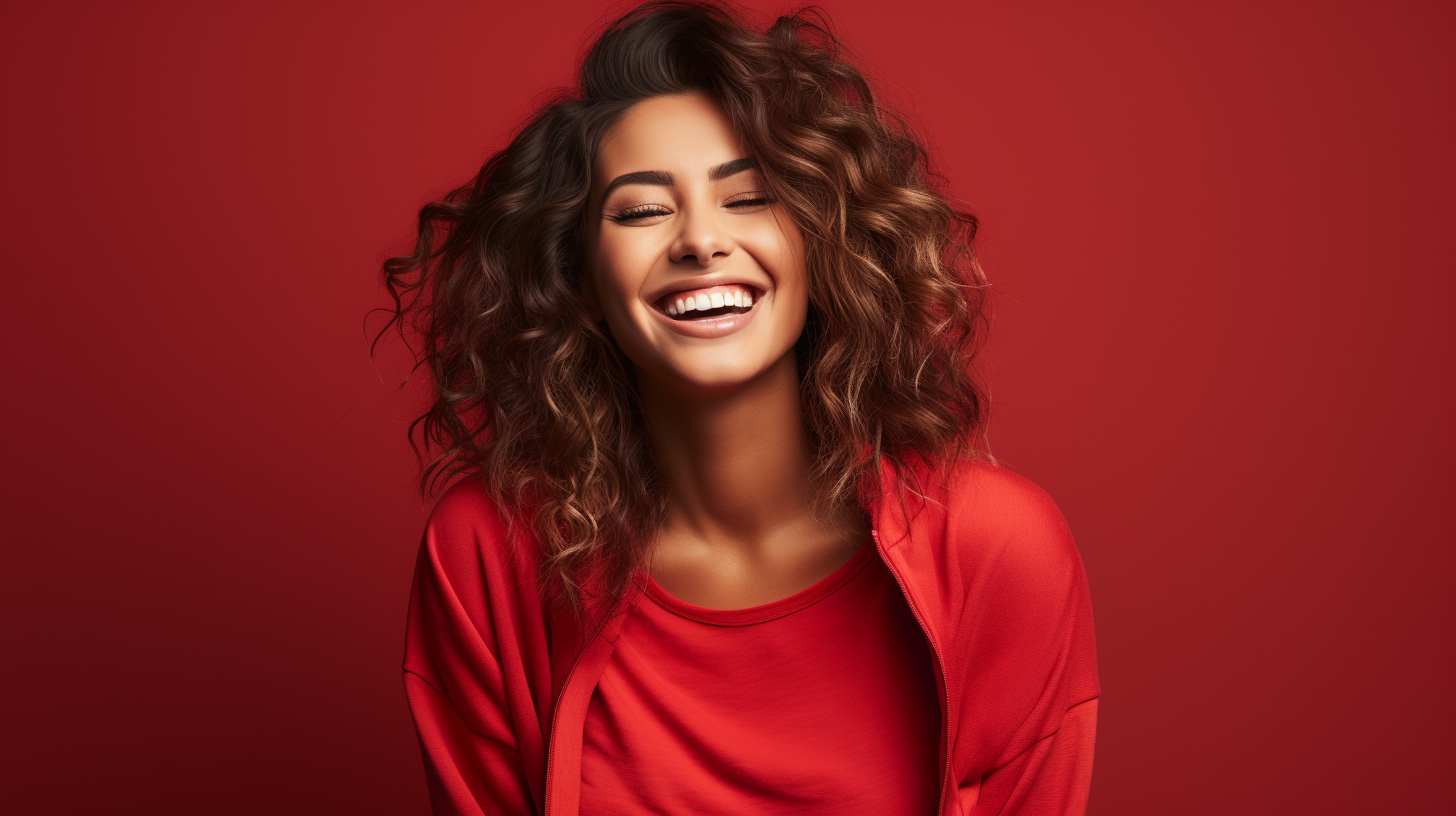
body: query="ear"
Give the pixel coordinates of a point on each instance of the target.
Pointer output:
(589, 296)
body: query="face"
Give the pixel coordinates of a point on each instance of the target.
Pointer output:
(700, 277)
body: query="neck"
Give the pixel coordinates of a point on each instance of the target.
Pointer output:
(735, 465)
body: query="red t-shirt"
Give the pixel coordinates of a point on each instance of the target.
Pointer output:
(822, 702)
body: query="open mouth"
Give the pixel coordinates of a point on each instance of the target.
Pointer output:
(709, 302)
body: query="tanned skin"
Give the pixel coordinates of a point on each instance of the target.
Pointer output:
(723, 412)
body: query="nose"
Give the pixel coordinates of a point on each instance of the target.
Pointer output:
(701, 239)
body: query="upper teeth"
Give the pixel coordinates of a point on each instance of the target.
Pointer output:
(703, 302)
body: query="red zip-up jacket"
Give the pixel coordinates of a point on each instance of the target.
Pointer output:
(499, 683)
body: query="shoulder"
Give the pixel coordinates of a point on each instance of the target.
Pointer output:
(467, 529)
(997, 499)
(994, 516)
(465, 505)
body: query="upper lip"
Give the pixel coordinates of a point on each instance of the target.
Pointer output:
(703, 282)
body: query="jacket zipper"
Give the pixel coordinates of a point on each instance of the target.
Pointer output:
(939, 672)
(551, 737)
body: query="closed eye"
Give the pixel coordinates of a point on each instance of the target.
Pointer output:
(653, 212)
(639, 213)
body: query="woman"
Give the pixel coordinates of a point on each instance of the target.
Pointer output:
(701, 339)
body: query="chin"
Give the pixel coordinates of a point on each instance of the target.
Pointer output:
(715, 379)
(721, 372)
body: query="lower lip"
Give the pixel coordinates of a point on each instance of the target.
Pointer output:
(711, 327)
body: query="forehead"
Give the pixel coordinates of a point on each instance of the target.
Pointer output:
(683, 134)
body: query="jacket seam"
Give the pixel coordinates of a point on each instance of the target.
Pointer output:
(466, 725)
(1040, 740)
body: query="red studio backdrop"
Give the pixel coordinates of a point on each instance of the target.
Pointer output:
(1221, 235)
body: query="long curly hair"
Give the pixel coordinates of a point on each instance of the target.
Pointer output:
(534, 397)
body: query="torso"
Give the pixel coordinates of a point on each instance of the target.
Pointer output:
(820, 702)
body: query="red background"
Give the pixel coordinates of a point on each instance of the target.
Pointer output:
(1223, 238)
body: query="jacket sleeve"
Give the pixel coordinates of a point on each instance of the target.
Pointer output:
(1052, 776)
(1030, 668)
(462, 685)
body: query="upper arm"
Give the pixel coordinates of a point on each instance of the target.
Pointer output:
(1029, 650)
(468, 667)
(451, 641)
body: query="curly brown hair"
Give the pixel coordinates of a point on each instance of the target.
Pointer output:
(534, 397)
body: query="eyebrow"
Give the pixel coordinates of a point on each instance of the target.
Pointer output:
(662, 178)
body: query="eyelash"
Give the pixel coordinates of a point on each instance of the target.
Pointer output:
(650, 211)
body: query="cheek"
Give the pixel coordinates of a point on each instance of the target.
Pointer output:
(617, 272)
(786, 259)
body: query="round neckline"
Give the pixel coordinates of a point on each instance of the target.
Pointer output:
(763, 612)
